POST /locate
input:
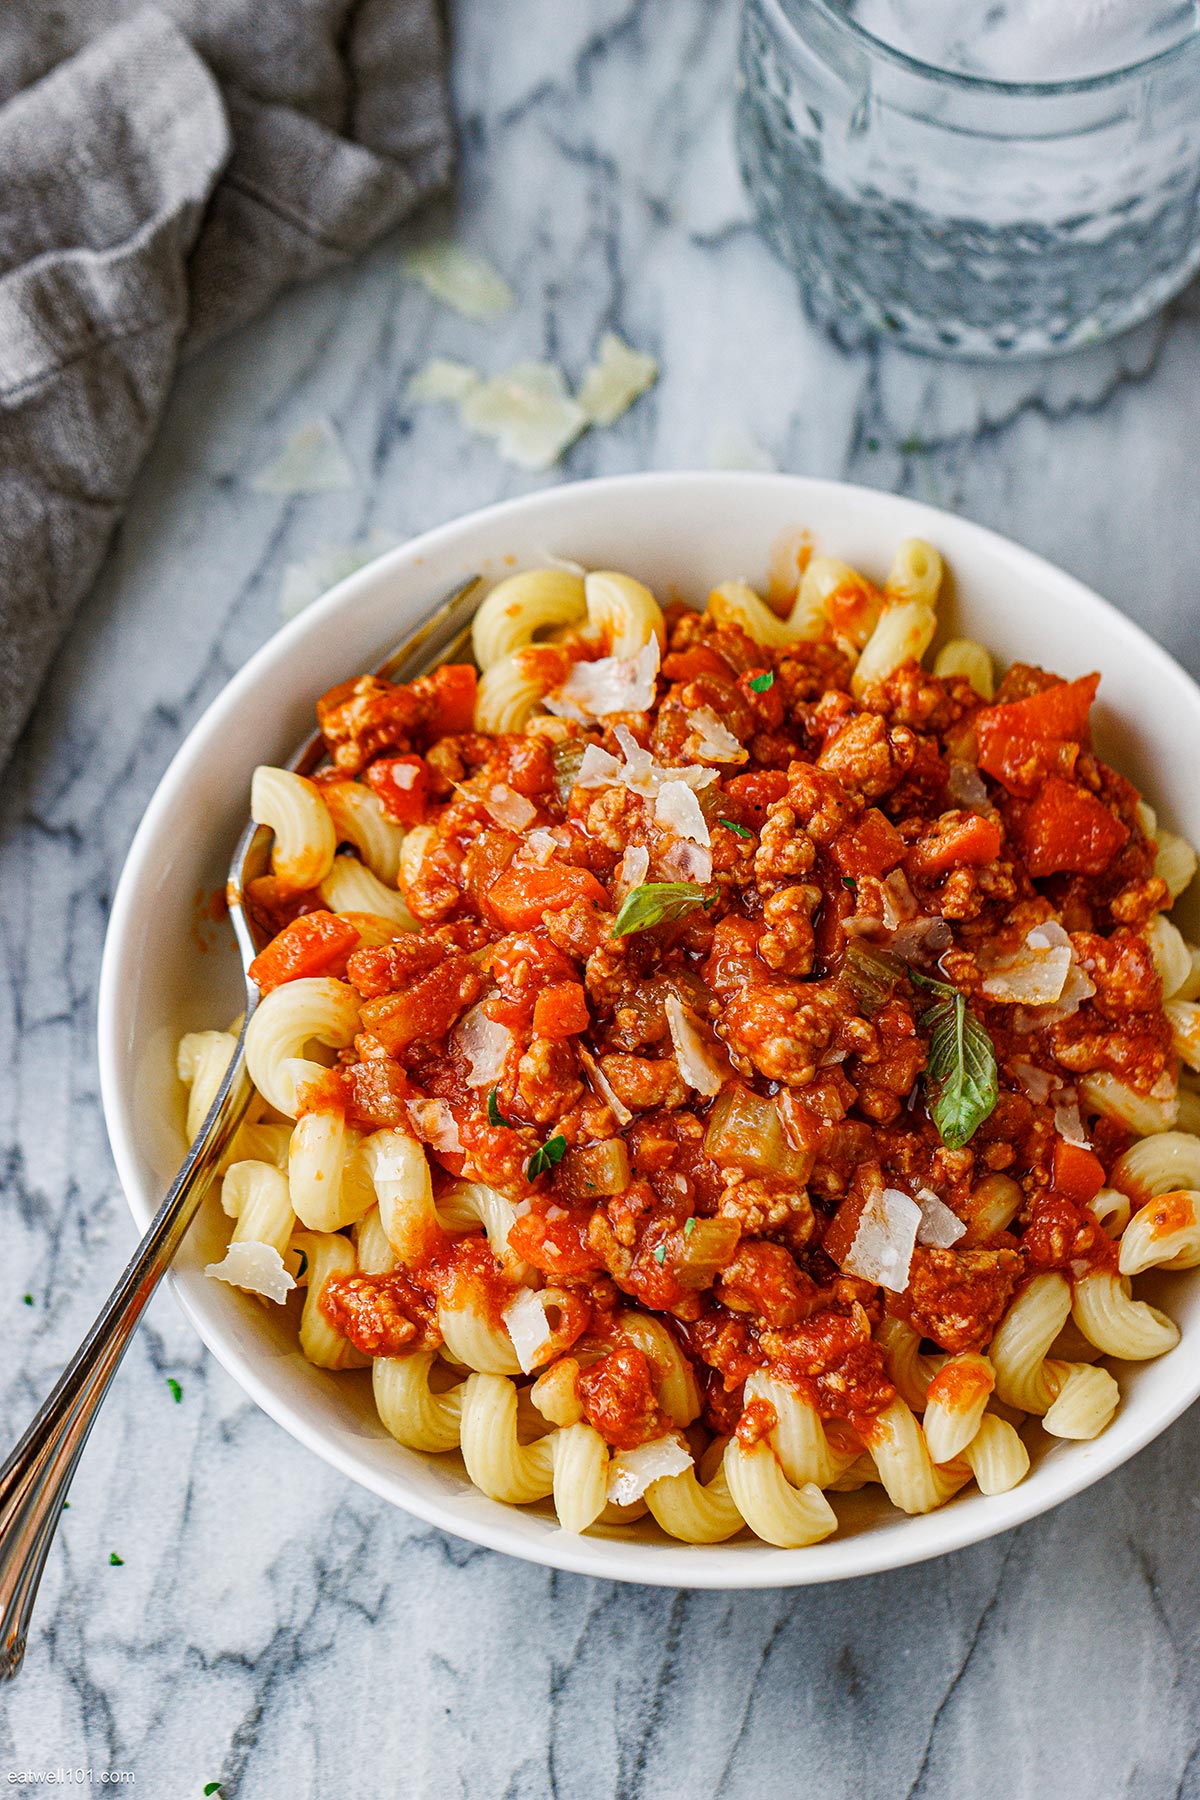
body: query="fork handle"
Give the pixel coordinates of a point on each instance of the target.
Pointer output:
(35, 1478)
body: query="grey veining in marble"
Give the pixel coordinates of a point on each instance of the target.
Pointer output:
(271, 1626)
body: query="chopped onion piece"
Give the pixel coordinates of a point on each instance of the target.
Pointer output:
(1067, 1121)
(443, 380)
(883, 1244)
(614, 684)
(484, 1044)
(678, 808)
(1036, 1082)
(711, 740)
(631, 1471)
(528, 412)
(939, 1227)
(614, 381)
(633, 870)
(509, 808)
(312, 461)
(435, 1124)
(461, 279)
(527, 1325)
(257, 1268)
(921, 939)
(602, 1086)
(965, 786)
(698, 1063)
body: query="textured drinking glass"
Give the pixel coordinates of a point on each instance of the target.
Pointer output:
(965, 216)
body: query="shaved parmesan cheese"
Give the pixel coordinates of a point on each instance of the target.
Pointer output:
(678, 808)
(484, 1044)
(633, 870)
(614, 684)
(257, 1268)
(1077, 988)
(311, 462)
(712, 741)
(631, 1471)
(732, 447)
(614, 381)
(698, 1064)
(462, 279)
(602, 1086)
(528, 412)
(685, 861)
(1036, 974)
(1036, 1082)
(527, 1325)
(638, 772)
(883, 1244)
(899, 901)
(443, 380)
(306, 580)
(509, 808)
(1067, 1121)
(435, 1124)
(536, 847)
(939, 1226)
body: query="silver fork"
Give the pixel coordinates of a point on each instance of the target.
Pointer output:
(35, 1478)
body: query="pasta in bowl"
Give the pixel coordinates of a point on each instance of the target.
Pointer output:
(718, 1067)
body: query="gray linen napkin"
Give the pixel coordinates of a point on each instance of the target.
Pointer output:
(164, 172)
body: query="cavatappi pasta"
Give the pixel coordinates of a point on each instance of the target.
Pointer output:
(708, 1063)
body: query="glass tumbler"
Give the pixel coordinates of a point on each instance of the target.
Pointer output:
(965, 216)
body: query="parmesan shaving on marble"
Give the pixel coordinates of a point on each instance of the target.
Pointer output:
(311, 576)
(697, 1062)
(313, 461)
(442, 380)
(939, 1227)
(254, 1267)
(732, 447)
(883, 1244)
(461, 279)
(615, 380)
(527, 411)
(484, 1044)
(527, 1325)
(631, 1471)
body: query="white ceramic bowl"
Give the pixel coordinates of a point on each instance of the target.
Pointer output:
(680, 533)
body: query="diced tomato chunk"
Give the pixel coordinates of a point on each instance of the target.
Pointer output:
(403, 785)
(316, 944)
(757, 790)
(1078, 1172)
(454, 687)
(521, 896)
(871, 846)
(1068, 829)
(1023, 741)
(561, 1011)
(950, 843)
(691, 665)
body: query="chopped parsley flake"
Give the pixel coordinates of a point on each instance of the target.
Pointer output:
(660, 1253)
(689, 1228)
(212, 1787)
(551, 1152)
(176, 1390)
(849, 881)
(760, 683)
(118, 1562)
(28, 1299)
(732, 825)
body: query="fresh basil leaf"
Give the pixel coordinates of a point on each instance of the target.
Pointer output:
(738, 830)
(961, 1080)
(551, 1152)
(495, 1116)
(657, 903)
(760, 683)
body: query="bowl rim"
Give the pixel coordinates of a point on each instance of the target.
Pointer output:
(669, 1564)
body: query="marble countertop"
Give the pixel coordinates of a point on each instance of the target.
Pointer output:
(271, 1626)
